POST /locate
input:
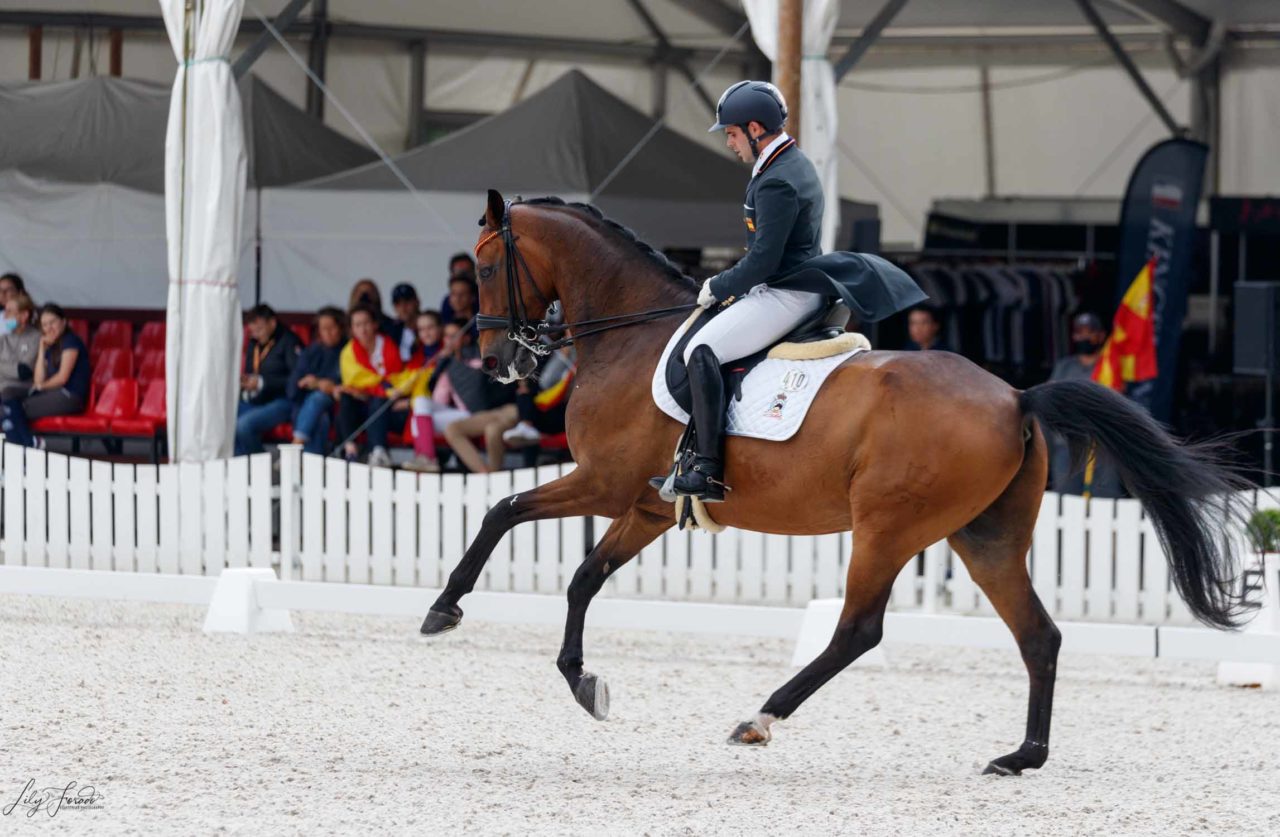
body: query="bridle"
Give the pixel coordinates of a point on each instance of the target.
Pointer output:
(527, 332)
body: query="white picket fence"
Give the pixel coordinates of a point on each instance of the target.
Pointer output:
(327, 521)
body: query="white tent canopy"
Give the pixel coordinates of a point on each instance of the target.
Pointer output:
(1063, 118)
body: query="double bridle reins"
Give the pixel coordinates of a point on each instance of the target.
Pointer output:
(528, 332)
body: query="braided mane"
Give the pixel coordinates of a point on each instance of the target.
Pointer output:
(626, 234)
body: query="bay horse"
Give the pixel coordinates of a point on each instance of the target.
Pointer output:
(903, 448)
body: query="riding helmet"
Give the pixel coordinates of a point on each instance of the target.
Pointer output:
(751, 101)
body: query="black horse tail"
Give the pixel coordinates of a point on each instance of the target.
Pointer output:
(1188, 490)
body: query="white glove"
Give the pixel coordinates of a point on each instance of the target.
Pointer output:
(705, 298)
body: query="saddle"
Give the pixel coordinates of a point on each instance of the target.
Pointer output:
(805, 341)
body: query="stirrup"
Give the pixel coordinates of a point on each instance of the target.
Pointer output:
(712, 491)
(665, 485)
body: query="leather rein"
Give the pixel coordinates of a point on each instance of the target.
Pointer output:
(527, 332)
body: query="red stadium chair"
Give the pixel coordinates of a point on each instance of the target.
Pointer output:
(80, 328)
(150, 340)
(151, 415)
(111, 334)
(303, 331)
(151, 368)
(112, 364)
(119, 400)
(152, 336)
(280, 434)
(556, 442)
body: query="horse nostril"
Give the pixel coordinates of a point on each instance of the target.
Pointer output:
(490, 362)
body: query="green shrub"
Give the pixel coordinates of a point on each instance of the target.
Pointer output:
(1264, 530)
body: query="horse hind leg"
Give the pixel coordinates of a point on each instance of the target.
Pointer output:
(994, 549)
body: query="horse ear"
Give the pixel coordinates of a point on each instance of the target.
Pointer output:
(494, 210)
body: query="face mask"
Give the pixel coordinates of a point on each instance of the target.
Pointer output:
(8, 326)
(1083, 347)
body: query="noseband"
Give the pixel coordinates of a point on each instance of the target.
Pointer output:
(527, 332)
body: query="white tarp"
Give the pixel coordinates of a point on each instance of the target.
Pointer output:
(93, 245)
(205, 169)
(818, 117)
(316, 243)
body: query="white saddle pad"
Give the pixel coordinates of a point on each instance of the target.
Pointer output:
(776, 395)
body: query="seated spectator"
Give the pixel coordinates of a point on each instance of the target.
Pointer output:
(60, 384)
(429, 329)
(924, 325)
(460, 304)
(269, 360)
(18, 347)
(11, 284)
(372, 373)
(543, 404)
(316, 380)
(464, 403)
(365, 292)
(427, 351)
(404, 301)
(462, 264)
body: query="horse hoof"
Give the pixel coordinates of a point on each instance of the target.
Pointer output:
(1029, 756)
(592, 695)
(994, 769)
(439, 622)
(750, 734)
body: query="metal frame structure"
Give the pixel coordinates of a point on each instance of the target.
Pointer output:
(1172, 19)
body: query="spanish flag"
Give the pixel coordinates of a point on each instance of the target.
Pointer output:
(383, 371)
(1129, 355)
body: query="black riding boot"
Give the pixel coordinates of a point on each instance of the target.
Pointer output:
(705, 480)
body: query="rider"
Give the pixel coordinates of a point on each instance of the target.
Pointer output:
(783, 216)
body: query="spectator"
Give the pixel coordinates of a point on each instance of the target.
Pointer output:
(269, 361)
(923, 326)
(366, 292)
(464, 403)
(427, 352)
(10, 285)
(1098, 479)
(460, 304)
(60, 383)
(404, 301)
(316, 380)
(372, 372)
(18, 347)
(462, 264)
(429, 329)
(542, 405)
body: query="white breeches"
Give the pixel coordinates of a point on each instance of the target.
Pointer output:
(757, 320)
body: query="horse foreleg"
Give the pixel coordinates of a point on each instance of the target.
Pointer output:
(559, 498)
(872, 568)
(625, 537)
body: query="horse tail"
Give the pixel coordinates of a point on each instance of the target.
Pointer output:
(1190, 491)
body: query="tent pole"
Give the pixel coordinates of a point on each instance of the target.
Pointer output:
(417, 91)
(117, 52)
(787, 69)
(188, 47)
(317, 57)
(287, 17)
(1122, 57)
(35, 51)
(257, 247)
(869, 35)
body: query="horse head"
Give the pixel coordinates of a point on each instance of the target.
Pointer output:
(515, 291)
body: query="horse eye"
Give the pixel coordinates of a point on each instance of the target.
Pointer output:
(486, 271)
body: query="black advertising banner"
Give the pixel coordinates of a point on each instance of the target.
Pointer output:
(1158, 220)
(1245, 215)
